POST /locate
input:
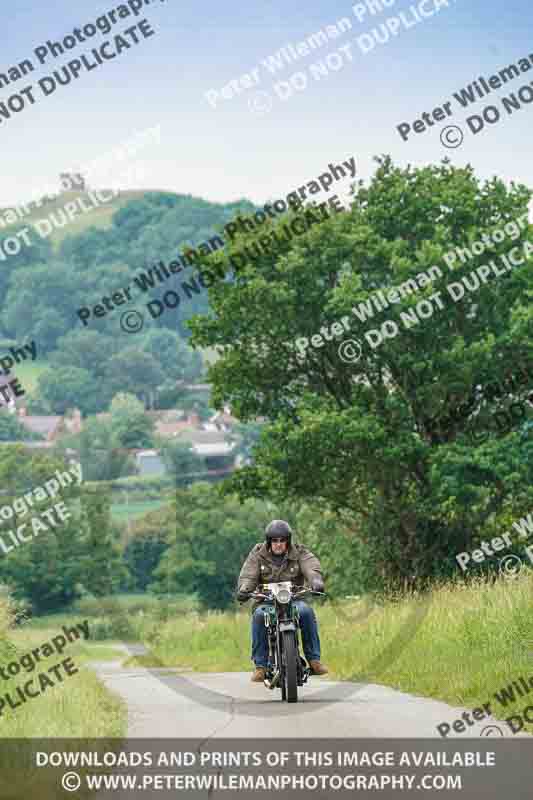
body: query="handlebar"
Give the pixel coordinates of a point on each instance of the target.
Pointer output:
(270, 595)
(309, 591)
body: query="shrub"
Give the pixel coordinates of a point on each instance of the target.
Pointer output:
(117, 627)
(132, 617)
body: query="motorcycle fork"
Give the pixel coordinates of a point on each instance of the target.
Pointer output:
(275, 648)
(270, 633)
(273, 672)
(303, 669)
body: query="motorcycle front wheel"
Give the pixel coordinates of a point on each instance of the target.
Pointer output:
(289, 686)
(281, 667)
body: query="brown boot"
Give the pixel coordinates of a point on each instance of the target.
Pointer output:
(317, 668)
(259, 675)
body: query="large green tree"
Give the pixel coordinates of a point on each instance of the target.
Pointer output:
(130, 425)
(148, 542)
(85, 349)
(98, 451)
(38, 303)
(101, 567)
(69, 387)
(135, 372)
(177, 360)
(357, 437)
(46, 570)
(33, 255)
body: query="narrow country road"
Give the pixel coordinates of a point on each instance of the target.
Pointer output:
(180, 703)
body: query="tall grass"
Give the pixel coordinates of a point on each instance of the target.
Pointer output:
(79, 706)
(6, 620)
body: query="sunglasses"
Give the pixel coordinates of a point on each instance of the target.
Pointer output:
(278, 541)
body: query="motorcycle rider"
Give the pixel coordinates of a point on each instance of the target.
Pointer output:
(274, 560)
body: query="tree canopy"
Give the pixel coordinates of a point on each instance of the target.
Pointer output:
(357, 436)
(84, 545)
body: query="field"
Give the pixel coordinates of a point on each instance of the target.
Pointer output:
(122, 512)
(28, 372)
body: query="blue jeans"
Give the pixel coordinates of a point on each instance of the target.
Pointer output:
(308, 627)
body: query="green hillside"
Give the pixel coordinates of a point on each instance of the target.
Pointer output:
(99, 217)
(100, 250)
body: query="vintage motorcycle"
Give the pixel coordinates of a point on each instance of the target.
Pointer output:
(286, 669)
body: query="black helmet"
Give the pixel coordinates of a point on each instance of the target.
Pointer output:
(278, 529)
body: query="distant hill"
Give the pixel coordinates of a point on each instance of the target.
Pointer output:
(99, 251)
(99, 217)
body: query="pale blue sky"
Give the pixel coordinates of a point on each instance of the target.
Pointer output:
(229, 152)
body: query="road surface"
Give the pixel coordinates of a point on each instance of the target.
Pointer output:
(175, 703)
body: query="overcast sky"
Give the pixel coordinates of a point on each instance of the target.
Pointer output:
(230, 151)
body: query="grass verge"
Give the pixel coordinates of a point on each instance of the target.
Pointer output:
(81, 708)
(78, 706)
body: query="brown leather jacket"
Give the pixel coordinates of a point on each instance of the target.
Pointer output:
(299, 566)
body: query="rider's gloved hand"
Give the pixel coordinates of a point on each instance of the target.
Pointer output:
(317, 585)
(242, 597)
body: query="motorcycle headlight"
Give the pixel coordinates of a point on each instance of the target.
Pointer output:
(283, 596)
